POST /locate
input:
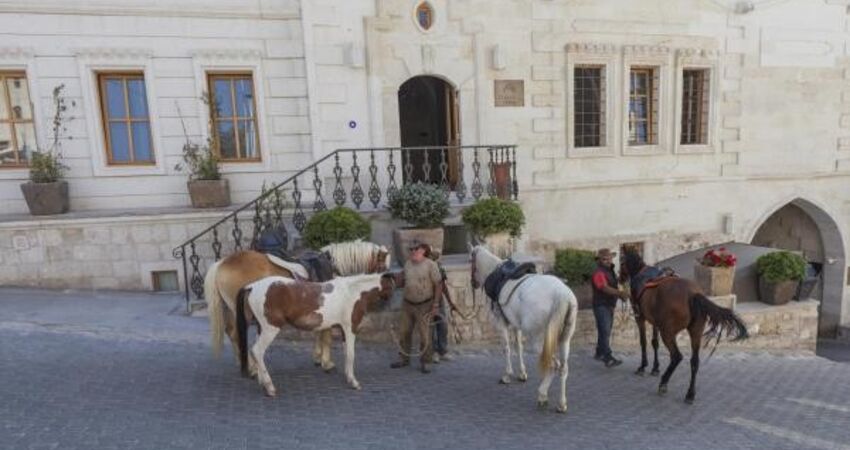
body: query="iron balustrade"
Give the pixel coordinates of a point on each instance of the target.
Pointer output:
(490, 169)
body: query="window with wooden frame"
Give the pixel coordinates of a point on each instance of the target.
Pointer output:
(589, 104)
(233, 112)
(695, 106)
(643, 106)
(126, 123)
(17, 129)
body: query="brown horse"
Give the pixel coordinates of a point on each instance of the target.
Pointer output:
(672, 304)
(226, 277)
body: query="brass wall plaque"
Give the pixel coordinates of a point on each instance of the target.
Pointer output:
(510, 92)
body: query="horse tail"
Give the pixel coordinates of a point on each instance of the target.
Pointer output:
(242, 328)
(554, 329)
(212, 295)
(720, 319)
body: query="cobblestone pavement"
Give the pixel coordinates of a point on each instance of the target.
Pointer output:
(116, 370)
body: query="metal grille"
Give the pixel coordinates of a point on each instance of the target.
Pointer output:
(589, 105)
(643, 106)
(695, 90)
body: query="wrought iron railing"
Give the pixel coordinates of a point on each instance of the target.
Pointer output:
(466, 173)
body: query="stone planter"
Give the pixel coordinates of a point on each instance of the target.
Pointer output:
(715, 281)
(501, 244)
(403, 237)
(46, 198)
(777, 293)
(209, 193)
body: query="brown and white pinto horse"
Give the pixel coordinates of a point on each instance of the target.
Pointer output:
(278, 301)
(225, 277)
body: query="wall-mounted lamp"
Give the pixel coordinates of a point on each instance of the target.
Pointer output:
(744, 7)
(728, 223)
(497, 58)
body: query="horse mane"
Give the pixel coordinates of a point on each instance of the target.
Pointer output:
(633, 262)
(354, 257)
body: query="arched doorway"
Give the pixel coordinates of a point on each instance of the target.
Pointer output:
(802, 226)
(428, 117)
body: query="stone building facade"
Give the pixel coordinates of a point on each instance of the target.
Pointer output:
(669, 123)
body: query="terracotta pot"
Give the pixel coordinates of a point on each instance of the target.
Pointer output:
(209, 193)
(403, 237)
(777, 293)
(501, 244)
(715, 281)
(46, 198)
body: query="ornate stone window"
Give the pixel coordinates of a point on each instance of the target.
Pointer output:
(425, 16)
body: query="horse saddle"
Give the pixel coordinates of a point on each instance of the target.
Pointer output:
(655, 282)
(508, 270)
(318, 265)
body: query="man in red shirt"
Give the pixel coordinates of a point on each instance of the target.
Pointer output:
(605, 295)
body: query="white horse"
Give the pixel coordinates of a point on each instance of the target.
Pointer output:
(541, 306)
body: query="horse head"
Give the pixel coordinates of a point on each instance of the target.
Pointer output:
(481, 262)
(632, 264)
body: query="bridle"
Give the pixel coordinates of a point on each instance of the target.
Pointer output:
(473, 272)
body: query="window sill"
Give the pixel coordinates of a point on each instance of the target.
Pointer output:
(692, 149)
(590, 152)
(644, 150)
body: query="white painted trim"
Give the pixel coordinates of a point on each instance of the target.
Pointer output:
(213, 60)
(312, 80)
(90, 61)
(23, 59)
(607, 56)
(112, 8)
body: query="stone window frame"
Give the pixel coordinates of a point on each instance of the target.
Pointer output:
(606, 56)
(697, 58)
(22, 59)
(211, 61)
(93, 61)
(660, 58)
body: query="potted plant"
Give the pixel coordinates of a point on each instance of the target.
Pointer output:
(207, 189)
(576, 267)
(46, 192)
(496, 221)
(779, 273)
(715, 271)
(335, 225)
(424, 206)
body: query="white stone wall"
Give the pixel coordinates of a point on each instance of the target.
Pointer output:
(174, 44)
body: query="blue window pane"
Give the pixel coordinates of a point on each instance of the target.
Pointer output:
(223, 102)
(248, 139)
(115, 108)
(227, 140)
(244, 97)
(138, 98)
(142, 141)
(119, 142)
(641, 132)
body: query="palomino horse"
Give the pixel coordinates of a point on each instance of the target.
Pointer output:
(670, 305)
(276, 301)
(540, 306)
(225, 277)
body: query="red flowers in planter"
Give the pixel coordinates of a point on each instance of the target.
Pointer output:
(718, 258)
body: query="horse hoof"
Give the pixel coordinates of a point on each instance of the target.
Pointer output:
(542, 404)
(689, 399)
(662, 389)
(355, 386)
(654, 372)
(506, 379)
(562, 409)
(271, 392)
(640, 372)
(329, 368)
(523, 377)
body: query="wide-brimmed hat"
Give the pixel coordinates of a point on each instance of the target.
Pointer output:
(605, 253)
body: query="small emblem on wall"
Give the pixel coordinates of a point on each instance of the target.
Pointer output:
(352, 124)
(509, 92)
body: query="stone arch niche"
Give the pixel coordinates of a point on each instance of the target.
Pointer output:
(800, 225)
